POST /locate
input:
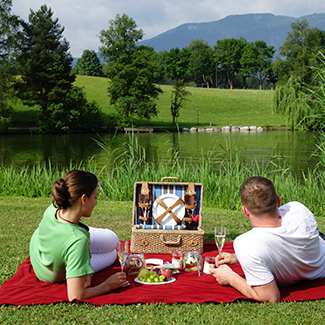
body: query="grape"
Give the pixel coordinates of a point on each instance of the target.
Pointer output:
(151, 277)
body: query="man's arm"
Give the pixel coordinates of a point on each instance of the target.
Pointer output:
(226, 276)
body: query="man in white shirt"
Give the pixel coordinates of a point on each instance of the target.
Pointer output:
(283, 247)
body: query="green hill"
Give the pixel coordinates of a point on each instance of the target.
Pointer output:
(217, 107)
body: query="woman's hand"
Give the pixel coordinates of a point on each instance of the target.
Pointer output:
(116, 281)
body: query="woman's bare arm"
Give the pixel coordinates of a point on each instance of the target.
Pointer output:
(79, 287)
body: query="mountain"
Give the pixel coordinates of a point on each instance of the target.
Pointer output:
(268, 27)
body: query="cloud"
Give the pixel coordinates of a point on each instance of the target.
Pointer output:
(83, 20)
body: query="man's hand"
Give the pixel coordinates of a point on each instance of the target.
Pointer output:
(222, 274)
(226, 258)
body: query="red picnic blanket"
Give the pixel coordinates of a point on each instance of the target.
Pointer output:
(25, 289)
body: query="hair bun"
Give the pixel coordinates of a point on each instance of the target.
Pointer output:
(60, 194)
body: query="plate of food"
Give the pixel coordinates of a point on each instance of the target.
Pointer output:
(163, 276)
(155, 283)
(152, 263)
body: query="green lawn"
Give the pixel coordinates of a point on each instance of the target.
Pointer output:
(19, 217)
(217, 107)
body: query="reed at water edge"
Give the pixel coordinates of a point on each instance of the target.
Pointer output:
(221, 175)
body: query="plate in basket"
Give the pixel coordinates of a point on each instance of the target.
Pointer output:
(155, 283)
(169, 199)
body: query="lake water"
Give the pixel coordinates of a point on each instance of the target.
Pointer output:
(296, 147)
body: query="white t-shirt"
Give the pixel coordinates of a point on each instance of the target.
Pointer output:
(287, 254)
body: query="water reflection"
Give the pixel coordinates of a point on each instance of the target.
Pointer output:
(295, 147)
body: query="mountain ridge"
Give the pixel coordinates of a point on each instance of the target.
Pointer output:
(273, 29)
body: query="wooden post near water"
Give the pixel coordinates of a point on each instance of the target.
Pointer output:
(138, 130)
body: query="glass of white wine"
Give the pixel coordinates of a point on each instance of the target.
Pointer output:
(220, 237)
(122, 252)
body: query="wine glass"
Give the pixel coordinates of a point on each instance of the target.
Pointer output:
(220, 237)
(122, 252)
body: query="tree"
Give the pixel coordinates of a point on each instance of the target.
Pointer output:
(257, 60)
(44, 61)
(89, 64)
(131, 85)
(247, 61)
(9, 38)
(177, 63)
(264, 57)
(298, 53)
(298, 74)
(178, 95)
(228, 53)
(73, 114)
(201, 63)
(120, 38)
(130, 69)
(160, 75)
(317, 94)
(292, 101)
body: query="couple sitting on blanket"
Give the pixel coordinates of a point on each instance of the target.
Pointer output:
(283, 247)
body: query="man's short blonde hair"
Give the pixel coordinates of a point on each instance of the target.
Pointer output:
(258, 196)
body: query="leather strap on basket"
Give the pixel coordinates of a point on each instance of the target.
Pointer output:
(190, 197)
(145, 201)
(190, 189)
(145, 188)
(168, 210)
(190, 203)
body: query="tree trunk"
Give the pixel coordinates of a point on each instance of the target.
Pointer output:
(216, 75)
(206, 82)
(244, 82)
(230, 81)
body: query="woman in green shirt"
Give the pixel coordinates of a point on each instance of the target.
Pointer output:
(64, 249)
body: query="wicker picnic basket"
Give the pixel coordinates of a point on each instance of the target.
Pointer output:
(158, 222)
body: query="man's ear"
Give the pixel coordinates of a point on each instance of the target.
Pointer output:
(279, 201)
(246, 212)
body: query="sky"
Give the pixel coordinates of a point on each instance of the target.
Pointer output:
(83, 20)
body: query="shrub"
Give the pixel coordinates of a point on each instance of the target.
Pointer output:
(74, 114)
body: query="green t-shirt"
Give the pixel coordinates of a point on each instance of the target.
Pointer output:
(59, 250)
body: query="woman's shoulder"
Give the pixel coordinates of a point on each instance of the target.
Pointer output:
(51, 210)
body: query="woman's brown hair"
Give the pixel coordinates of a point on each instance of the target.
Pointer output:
(67, 190)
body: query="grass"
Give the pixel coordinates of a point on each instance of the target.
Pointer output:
(20, 216)
(217, 107)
